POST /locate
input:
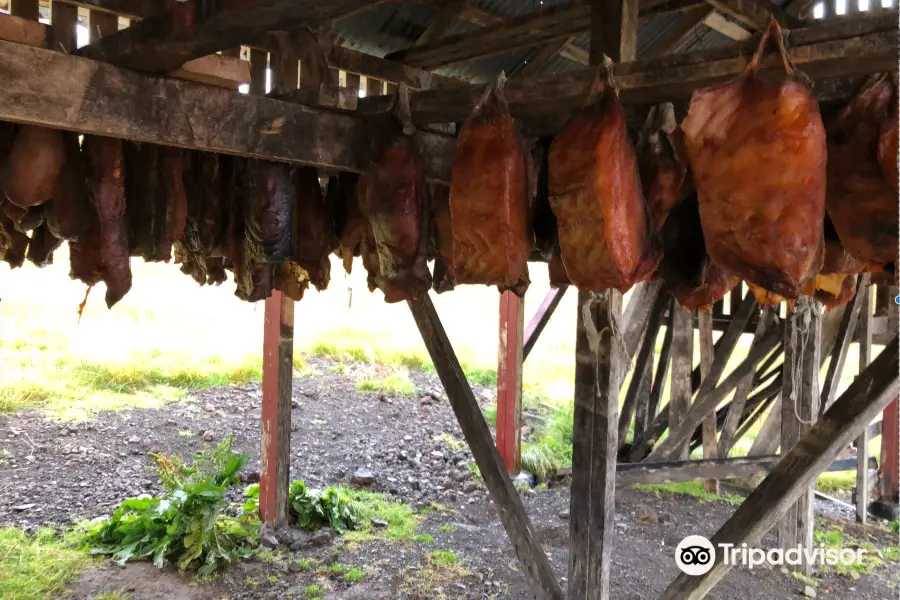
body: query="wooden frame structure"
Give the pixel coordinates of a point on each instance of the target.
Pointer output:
(160, 81)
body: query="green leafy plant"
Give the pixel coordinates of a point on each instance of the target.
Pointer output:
(315, 509)
(187, 524)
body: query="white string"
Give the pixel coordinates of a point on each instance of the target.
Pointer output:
(801, 320)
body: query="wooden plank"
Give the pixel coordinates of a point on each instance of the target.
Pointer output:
(64, 18)
(374, 87)
(841, 348)
(614, 31)
(643, 362)
(686, 26)
(133, 9)
(799, 408)
(545, 56)
(851, 463)
(755, 14)
(540, 319)
(353, 82)
(864, 334)
(729, 29)
(692, 470)
(195, 28)
(728, 342)
(24, 31)
(325, 95)
(594, 447)
(101, 25)
(736, 410)
(509, 379)
(890, 448)
(794, 474)
(704, 328)
(443, 21)
(769, 437)
(679, 386)
(643, 436)
(670, 447)
(512, 513)
(41, 87)
(637, 312)
(360, 63)
(861, 45)
(218, 70)
(26, 9)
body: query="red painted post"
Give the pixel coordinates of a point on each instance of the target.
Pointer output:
(890, 454)
(277, 379)
(509, 379)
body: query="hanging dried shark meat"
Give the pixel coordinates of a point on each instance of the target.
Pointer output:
(757, 155)
(836, 281)
(157, 203)
(67, 215)
(442, 236)
(313, 228)
(887, 146)
(106, 182)
(42, 246)
(861, 201)
(200, 249)
(13, 243)
(247, 204)
(489, 198)
(686, 269)
(662, 163)
(595, 192)
(33, 164)
(391, 198)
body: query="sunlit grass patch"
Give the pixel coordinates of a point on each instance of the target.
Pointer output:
(395, 383)
(688, 488)
(37, 567)
(401, 519)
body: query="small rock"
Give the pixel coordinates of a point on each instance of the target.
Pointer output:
(134, 440)
(809, 592)
(667, 517)
(23, 507)
(458, 476)
(646, 514)
(295, 403)
(209, 408)
(784, 571)
(267, 537)
(362, 477)
(563, 514)
(437, 454)
(207, 436)
(854, 575)
(469, 487)
(522, 481)
(379, 523)
(322, 537)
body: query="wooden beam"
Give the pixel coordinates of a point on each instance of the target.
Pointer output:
(642, 363)
(359, 63)
(736, 410)
(544, 58)
(41, 87)
(594, 447)
(705, 402)
(540, 319)
(325, 95)
(101, 24)
(443, 21)
(890, 448)
(195, 28)
(841, 347)
(799, 408)
(705, 329)
(637, 313)
(26, 9)
(509, 379)
(614, 27)
(64, 18)
(680, 384)
(24, 31)
(864, 329)
(693, 470)
(861, 45)
(215, 69)
(512, 513)
(686, 26)
(752, 13)
(729, 29)
(643, 436)
(793, 475)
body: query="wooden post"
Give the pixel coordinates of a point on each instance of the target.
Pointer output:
(841, 347)
(645, 416)
(890, 430)
(374, 87)
(278, 359)
(64, 18)
(478, 436)
(797, 470)
(799, 408)
(643, 366)
(682, 323)
(705, 327)
(352, 81)
(594, 447)
(27, 9)
(101, 24)
(864, 328)
(509, 379)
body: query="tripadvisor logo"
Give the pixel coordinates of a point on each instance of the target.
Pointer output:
(696, 555)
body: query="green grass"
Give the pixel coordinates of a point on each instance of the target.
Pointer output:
(446, 528)
(37, 567)
(401, 519)
(688, 488)
(803, 578)
(424, 538)
(307, 563)
(354, 575)
(312, 590)
(111, 596)
(334, 569)
(395, 383)
(442, 558)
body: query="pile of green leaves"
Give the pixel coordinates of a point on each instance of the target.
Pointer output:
(331, 507)
(187, 524)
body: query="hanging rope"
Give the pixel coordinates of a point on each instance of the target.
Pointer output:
(612, 328)
(801, 321)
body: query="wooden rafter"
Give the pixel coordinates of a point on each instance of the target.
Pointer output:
(755, 14)
(42, 87)
(195, 28)
(857, 406)
(443, 21)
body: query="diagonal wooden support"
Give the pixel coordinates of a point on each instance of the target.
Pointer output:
(864, 324)
(540, 319)
(644, 361)
(799, 408)
(478, 436)
(645, 415)
(793, 475)
(669, 448)
(710, 423)
(842, 347)
(637, 312)
(682, 324)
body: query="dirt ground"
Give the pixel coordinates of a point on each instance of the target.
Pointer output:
(58, 473)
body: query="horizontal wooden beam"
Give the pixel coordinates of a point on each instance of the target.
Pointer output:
(755, 14)
(195, 28)
(693, 470)
(856, 46)
(51, 89)
(538, 28)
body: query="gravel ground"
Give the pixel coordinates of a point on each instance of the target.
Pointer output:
(57, 473)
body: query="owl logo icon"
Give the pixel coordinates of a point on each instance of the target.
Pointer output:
(695, 555)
